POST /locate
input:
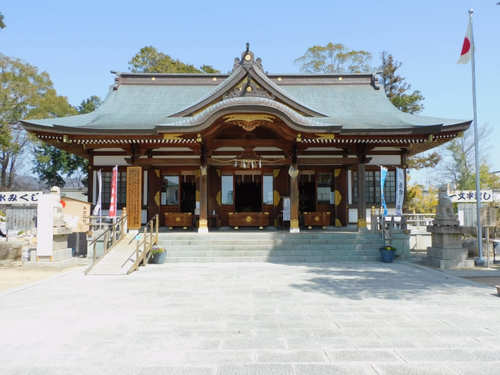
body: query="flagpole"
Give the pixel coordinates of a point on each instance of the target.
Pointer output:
(480, 260)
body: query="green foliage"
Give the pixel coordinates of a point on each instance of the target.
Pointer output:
(89, 105)
(427, 161)
(420, 201)
(150, 60)
(157, 250)
(334, 58)
(54, 165)
(397, 89)
(25, 93)
(2, 24)
(208, 69)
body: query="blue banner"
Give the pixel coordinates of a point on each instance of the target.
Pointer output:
(383, 175)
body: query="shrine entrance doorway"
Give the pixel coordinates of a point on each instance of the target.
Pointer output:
(248, 193)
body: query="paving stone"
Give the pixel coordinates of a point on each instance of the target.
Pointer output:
(176, 371)
(208, 317)
(255, 369)
(361, 356)
(253, 343)
(411, 369)
(218, 357)
(478, 368)
(337, 369)
(438, 355)
(296, 356)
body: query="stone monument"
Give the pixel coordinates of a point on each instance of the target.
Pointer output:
(56, 247)
(447, 251)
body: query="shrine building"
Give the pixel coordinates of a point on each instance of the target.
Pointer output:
(246, 148)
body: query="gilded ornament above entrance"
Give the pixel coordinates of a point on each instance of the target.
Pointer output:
(248, 121)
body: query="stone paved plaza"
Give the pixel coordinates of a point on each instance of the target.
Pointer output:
(244, 318)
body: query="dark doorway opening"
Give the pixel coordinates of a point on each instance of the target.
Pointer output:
(248, 194)
(188, 196)
(307, 198)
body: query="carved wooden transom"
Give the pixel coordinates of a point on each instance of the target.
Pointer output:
(248, 87)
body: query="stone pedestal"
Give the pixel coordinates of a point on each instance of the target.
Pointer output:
(447, 251)
(60, 249)
(401, 241)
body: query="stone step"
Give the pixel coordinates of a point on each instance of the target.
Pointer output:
(269, 245)
(274, 259)
(260, 236)
(246, 252)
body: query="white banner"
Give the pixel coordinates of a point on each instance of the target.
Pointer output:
(469, 196)
(400, 190)
(19, 197)
(97, 208)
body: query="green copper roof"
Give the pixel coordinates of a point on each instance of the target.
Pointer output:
(152, 102)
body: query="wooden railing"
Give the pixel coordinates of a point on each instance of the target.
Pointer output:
(145, 241)
(114, 233)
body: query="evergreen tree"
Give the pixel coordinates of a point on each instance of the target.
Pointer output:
(334, 58)
(150, 60)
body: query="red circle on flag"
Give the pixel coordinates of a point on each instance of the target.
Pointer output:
(465, 47)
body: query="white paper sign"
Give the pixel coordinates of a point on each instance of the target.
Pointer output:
(286, 209)
(19, 197)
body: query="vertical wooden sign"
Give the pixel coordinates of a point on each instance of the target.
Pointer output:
(134, 197)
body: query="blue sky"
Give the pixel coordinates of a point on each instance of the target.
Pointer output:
(78, 43)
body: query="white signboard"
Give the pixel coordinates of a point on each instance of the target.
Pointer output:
(469, 196)
(286, 209)
(19, 197)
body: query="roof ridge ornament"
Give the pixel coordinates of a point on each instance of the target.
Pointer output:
(247, 60)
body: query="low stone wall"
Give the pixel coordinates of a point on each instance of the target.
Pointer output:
(11, 250)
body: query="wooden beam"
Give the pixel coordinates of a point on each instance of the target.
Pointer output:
(164, 162)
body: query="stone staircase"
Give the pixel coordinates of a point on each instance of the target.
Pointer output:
(276, 247)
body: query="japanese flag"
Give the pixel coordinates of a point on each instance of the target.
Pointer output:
(466, 53)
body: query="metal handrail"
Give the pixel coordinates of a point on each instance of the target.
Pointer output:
(111, 233)
(142, 257)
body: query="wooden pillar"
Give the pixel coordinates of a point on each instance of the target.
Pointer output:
(203, 222)
(340, 197)
(294, 198)
(361, 195)
(404, 165)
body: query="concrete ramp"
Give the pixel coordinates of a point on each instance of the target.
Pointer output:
(119, 259)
